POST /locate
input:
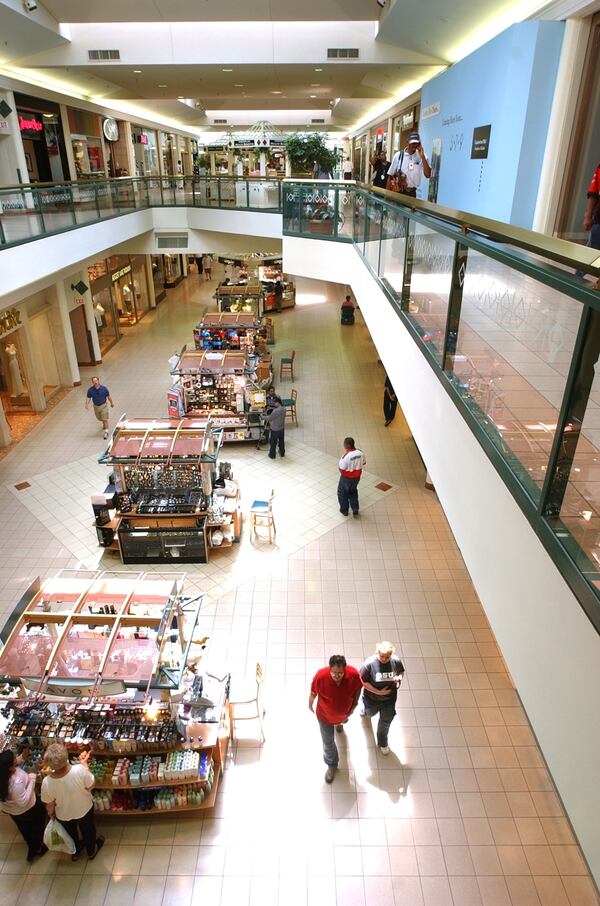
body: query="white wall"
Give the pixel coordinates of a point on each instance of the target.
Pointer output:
(549, 645)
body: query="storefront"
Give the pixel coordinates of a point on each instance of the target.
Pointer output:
(43, 140)
(115, 135)
(168, 150)
(403, 124)
(173, 270)
(120, 296)
(145, 150)
(86, 140)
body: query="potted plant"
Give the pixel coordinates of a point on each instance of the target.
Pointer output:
(307, 150)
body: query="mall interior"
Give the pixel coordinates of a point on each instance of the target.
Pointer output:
(169, 585)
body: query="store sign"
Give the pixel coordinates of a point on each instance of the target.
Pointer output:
(244, 143)
(116, 275)
(30, 124)
(408, 120)
(431, 110)
(379, 134)
(110, 128)
(276, 143)
(215, 148)
(273, 262)
(481, 142)
(9, 320)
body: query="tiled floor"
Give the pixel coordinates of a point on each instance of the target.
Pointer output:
(461, 813)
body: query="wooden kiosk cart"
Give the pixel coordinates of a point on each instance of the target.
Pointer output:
(227, 387)
(247, 298)
(164, 505)
(233, 330)
(99, 662)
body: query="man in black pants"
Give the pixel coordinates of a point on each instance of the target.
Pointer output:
(381, 675)
(390, 401)
(276, 421)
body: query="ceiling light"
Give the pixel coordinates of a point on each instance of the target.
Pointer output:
(313, 95)
(137, 70)
(48, 115)
(239, 85)
(228, 70)
(315, 85)
(318, 70)
(163, 86)
(180, 97)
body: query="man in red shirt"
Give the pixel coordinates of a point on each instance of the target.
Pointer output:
(351, 465)
(591, 218)
(337, 689)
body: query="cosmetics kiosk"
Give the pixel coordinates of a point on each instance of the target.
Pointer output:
(109, 662)
(229, 388)
(166, 503)
(245, 298)
(230, 330)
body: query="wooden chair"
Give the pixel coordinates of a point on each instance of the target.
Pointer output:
(245, 693)
(290, 406)
(261, 516)
(287, 366)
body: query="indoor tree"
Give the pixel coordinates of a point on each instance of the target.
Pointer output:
(305, 149)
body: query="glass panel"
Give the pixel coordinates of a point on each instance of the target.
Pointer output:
(132, 655)
(28, 654)
(360, 205)
(201, 192)
(374, 214)
(291, 208)
(430, 283)
(80, 653)
(212, 193)
(56, 205)
(228, 193)
(318, 210)
(19, 215)
(154, 191)
(393, 246)
(84, 200)
(261, 194)
(345, 212)
(107, 200)
(126, 195)
(514, 348)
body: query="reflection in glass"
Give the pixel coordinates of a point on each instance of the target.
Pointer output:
(393, 248)
(430, 265)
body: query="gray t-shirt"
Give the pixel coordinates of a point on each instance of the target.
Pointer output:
(381, 675)
(277, 418)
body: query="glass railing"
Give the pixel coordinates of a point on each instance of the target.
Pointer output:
(32, 211)
(511, 332)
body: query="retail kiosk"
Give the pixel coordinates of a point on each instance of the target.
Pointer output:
(231, 330)
(229, 388)
(108, 662)
(166, 503)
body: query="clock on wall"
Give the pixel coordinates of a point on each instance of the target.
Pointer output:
(110, 127)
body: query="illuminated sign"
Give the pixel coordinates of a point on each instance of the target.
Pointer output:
(120, 273)
(30, 125)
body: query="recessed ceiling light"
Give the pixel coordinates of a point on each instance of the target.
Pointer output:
(315, 85)
(228, 70)
(318, 70)
(275, 92)
(163, 86)
(239, 85)
(48, 115)
(137, 70)
(180, 97)
(313, 95)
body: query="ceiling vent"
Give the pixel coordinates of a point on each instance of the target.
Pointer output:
(219, 122)
(342, 53)
(317, 121)
(100, 56)
(172, 241)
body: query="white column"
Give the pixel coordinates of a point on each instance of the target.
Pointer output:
(263, 164)
(90, 320)
(64, 119)
(150, 280)
(231, 163)
(213, 163)
(68, 367)
(288, 167)
(390, 138)
(12, 155)
(33, 377)
(125, 127)
(239, 166)
(562, 116)
(5, 435)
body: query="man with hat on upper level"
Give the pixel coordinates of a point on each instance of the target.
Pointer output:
(411, 163)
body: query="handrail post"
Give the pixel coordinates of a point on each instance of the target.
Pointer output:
(38, 200)
(162, 197)
(72, 202)
(218, 192)
(459, 271)
(193, 191)
(97, 200)
(336, 208)
(409, 251)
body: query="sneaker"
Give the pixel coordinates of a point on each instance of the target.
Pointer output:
(99, 845)
(344, 514)
(105, 435)
(329, 775)
(339, 728)
(271, 457)
(385, 750)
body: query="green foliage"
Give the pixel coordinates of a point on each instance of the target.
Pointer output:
(305, 149)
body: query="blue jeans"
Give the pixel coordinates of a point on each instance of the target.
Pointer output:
(592, 243)
(386, 708)
(347, 492)
(330, 752)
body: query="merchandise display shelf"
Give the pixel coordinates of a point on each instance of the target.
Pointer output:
(208, 802)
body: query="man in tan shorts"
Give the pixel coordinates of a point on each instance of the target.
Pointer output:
(99, 395)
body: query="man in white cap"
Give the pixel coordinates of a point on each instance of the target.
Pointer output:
(412, 163)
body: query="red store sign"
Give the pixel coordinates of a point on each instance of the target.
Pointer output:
(30, 125)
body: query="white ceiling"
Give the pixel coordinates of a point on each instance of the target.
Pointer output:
(212, 10)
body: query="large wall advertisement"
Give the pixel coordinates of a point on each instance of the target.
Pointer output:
(484, 123)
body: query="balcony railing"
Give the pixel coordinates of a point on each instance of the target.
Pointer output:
(33, 211)
(512, 333)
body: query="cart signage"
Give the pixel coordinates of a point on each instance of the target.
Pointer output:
(244, 143)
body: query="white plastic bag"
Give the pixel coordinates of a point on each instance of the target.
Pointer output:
(57, 839)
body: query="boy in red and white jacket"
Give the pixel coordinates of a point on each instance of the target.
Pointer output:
(351, 465)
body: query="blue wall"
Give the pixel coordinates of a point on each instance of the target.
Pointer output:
(508, 84)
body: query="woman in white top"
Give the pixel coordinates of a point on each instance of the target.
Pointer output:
(66, 792)
(18, 799)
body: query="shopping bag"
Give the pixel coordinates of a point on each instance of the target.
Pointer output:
(56, 838)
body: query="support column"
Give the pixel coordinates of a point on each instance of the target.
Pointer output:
(13, 167)
(90, 323)
(68, 367)
(239, 166)
(5, 435)
(34, 380)
(64, 119)
(263, 164)
(125, 126)
(230, 163)
(150, 280)
(213, 163)
(390, 138)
